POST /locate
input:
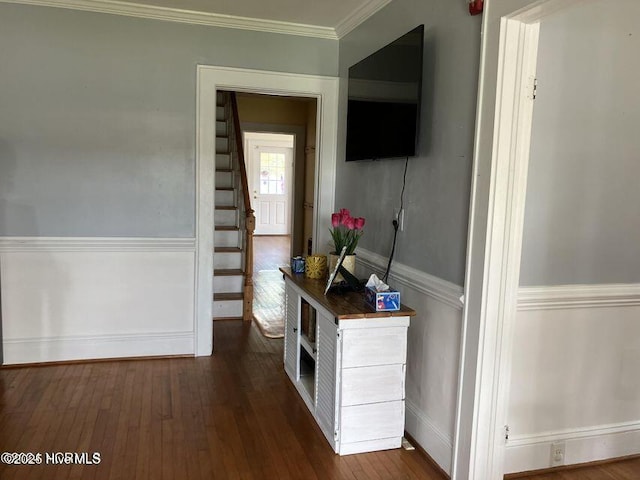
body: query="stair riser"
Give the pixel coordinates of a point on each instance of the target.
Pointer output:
(222, 145)
(223, 160)
(220, 113)
(224, 179)
(226, 239)
(225, 218)
(227, 308)
(221, 128)
(227, 283)
(227, 260)
(225, 198)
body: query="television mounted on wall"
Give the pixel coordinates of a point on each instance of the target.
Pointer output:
(384, 92)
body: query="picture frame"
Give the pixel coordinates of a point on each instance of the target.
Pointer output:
(334, 272)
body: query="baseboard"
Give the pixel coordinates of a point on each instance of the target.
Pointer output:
(532, 452)
(414, 443)
(564, 468)
(45, 350)
(431, 439)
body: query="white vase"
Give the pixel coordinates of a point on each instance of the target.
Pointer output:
(349, 263)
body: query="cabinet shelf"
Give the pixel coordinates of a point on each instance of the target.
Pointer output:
(308, 384)
(349, 370)
(310, 347)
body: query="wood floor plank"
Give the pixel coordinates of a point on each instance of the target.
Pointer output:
(234, 415)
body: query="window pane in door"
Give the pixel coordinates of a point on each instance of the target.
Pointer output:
(272, 173)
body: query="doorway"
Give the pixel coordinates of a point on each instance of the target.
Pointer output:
(270, 168)
(211, 79)
(279, 142)
(501, 151)
(270, 171)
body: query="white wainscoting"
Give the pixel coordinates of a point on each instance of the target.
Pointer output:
(86, 298)
(433, 352)
(574, 375)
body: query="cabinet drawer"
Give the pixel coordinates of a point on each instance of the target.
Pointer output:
(376, 346)
(361, 423)
(382, 383)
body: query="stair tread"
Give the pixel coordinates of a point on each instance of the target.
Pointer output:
(225, 189)
(227, 272)
(227, 249)
(224, 297)
(226, 207)
(227, 228)
(224, 170)
(223, 319)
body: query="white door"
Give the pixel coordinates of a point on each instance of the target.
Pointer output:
(271, 174)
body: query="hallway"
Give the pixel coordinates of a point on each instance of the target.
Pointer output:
(270, 252)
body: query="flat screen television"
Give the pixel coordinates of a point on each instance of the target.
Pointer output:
(383, 110)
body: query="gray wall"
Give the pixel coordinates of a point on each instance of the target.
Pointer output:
(436, 198)
(97, 116)
(582, 220)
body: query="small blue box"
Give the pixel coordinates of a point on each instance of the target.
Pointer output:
(388, 301)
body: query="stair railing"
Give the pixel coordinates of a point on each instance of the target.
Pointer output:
(247, 216)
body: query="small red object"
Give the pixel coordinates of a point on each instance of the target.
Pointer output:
(475, 6)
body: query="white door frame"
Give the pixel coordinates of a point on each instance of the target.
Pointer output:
(210, 79)
(502, 138)
(251, 142)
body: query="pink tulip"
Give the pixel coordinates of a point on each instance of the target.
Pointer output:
(345, 213)
(336, 218)
(359, 223)
(349, 222)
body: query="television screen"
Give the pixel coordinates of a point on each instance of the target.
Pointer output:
(384, 101)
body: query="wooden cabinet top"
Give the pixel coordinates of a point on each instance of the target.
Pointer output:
(344, 306)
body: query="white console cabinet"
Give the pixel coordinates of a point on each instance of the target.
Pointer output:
(348, 364)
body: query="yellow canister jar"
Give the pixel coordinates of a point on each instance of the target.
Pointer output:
(316, 266)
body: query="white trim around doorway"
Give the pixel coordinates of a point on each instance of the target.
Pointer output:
(501, 152)
(210, 79)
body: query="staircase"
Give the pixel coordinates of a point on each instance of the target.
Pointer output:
(233, 219)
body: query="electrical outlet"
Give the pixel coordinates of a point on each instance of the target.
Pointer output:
(398, 215)
(557, 454)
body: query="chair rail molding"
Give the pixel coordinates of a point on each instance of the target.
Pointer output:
(435, 287)
(578, 296)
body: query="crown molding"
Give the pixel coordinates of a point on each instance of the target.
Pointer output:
(359, 16)
(189, 16)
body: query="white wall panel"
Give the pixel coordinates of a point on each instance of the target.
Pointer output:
(433, 349)
(65, 299)
(575, 375)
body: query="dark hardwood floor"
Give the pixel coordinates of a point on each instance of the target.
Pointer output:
(624, 469)
(234, 415)
(270, 252)
(231, 416)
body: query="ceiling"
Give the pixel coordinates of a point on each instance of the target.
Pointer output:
(317, 18)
